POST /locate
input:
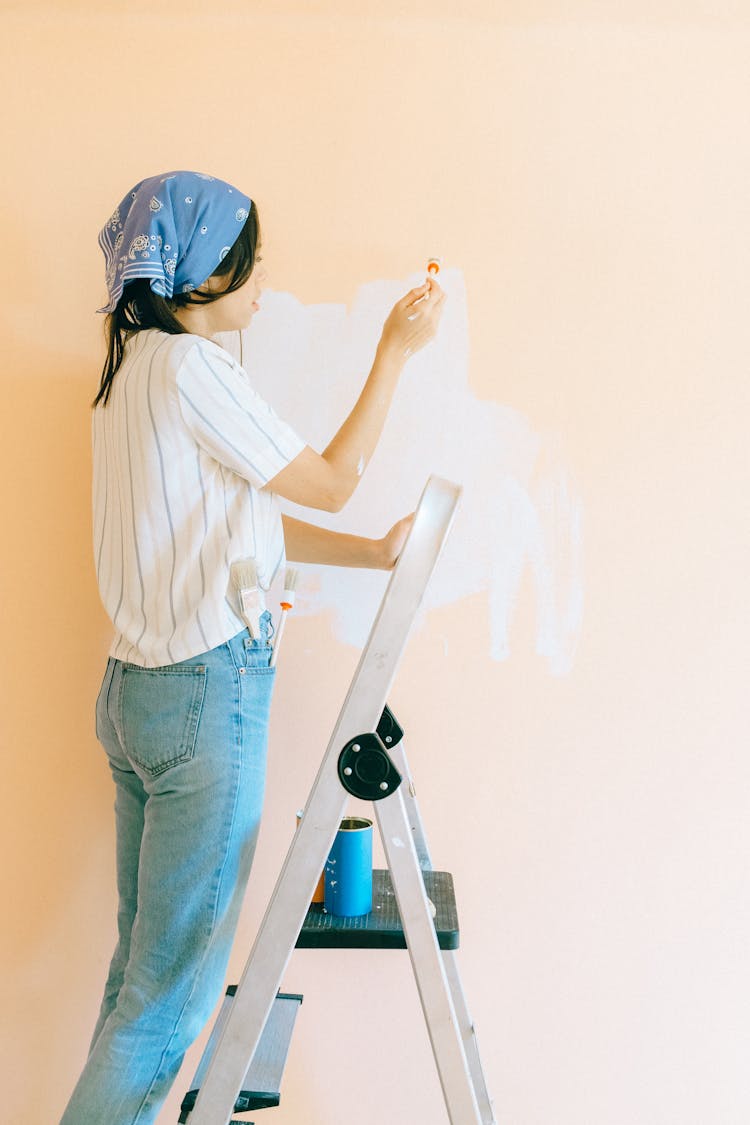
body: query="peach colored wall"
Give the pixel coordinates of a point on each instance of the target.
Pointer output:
(586, 166)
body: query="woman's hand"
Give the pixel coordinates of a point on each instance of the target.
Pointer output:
(413, 321)
(392, 544)
(306, 542)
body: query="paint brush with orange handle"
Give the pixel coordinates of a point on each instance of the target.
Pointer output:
(290, 585)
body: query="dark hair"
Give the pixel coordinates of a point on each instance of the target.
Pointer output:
(139, 307)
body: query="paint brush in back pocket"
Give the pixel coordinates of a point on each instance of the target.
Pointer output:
(290, 585)
(244, 576)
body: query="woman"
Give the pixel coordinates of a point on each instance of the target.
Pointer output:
(189, 463)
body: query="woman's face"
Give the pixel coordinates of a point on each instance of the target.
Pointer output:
(236, 310)
(231, 312)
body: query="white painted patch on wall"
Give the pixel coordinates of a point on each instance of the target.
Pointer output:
(519, 507)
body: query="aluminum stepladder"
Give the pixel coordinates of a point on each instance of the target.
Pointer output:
(373, 768)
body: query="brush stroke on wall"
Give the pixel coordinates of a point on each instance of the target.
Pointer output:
(519, 507)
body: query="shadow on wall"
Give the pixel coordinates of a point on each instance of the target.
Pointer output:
(519, 507)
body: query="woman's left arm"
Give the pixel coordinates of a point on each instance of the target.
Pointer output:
(305, 542)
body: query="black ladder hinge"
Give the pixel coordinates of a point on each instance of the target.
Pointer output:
(365, 768)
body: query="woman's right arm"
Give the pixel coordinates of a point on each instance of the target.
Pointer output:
(327, 480)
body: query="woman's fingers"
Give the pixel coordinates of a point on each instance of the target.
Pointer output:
(414, 295)
(414, 319)
(428, 291)
(393, 542)
(430, 300)
(431, 312)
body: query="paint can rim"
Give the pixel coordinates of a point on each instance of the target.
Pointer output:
(355, 824)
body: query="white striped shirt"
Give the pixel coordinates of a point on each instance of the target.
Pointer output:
(180, 452)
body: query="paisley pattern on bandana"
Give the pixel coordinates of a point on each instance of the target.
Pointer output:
(174, 229)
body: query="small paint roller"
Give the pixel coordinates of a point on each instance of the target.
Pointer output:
(244, 577)
(290, 585)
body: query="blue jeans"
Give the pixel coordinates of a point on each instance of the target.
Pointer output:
(187, 750)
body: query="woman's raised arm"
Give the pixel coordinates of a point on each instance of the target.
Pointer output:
(327, 480)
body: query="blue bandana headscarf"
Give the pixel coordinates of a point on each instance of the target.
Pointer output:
(174, 229)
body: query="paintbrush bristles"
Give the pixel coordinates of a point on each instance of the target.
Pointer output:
(290, 585)
(244, 574)
(244, 577)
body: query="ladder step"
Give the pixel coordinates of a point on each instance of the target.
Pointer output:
(381, 928)
(262, 1084)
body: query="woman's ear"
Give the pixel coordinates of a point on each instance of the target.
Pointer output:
(214, 284)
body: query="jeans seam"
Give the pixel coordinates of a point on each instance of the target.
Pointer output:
(112, 669)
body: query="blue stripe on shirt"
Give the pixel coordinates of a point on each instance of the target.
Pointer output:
(243, 408)
(224, 438)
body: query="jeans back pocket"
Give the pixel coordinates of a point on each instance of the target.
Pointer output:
(160, 712)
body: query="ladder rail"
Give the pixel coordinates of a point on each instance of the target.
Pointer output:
(270, 954)
(469, 1035)
(452, 977)
(411, 805)
(435, 993)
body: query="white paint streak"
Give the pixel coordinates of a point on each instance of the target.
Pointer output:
(519, 508)
(397, 842)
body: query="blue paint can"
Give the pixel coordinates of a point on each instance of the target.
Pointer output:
(348, 873)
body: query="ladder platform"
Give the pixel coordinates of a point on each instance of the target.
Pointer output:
(381, 928)
(262, 1083)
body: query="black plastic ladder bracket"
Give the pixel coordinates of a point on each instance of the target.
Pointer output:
(365, 767)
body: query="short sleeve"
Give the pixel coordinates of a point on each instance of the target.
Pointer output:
(229, 419)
